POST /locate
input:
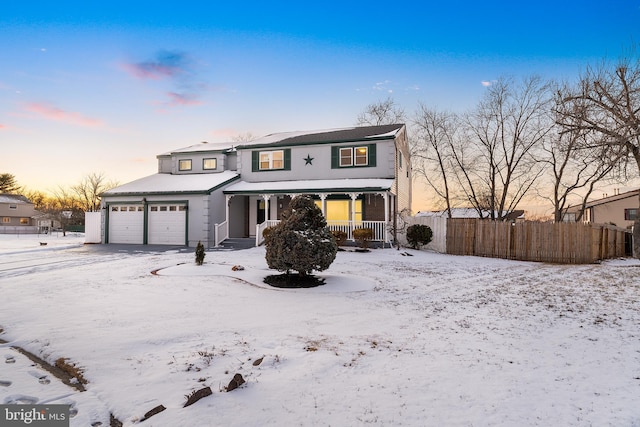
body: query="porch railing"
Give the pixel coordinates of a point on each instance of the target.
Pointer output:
(220, 233)
(379, 228)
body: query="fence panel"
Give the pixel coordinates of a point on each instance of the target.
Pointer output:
(438, 227)
(569, 243)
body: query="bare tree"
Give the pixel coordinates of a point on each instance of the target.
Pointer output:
(89, 189)
(497, 158)
(606, 102)
(244, 137)
(576, 171)
(432, 153)
(381, 113)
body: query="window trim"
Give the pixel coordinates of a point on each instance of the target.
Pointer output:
(185, 161)
(215, 162)
(630, 214)
(256, 163)
(336, 156)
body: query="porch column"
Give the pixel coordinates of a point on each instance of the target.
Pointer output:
(323, 204)
(267, 207)
(385, 196)
(226, 212)
(353, 196)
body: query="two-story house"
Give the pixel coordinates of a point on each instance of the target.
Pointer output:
(359, 177)
(17, 213)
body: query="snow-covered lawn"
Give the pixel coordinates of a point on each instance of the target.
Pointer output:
(422, 340)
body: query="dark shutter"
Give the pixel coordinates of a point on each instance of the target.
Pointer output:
(255, 161)
(287, 159)
(372, 155)
(335, 157)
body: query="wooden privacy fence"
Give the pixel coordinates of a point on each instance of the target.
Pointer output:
(568, 243)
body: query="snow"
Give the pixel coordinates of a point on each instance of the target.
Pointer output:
(310, 185)
(392, 339)
(167, 183)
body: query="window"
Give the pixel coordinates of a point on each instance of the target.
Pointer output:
(184, 165)
(114, 209)
(630, 214)
(400, 159)
(163, 208)
(356, 156)
(153, 209)
(13, 206)
(340, 210)
(172, 208)
(346, 157)
(271, 160)
(361, 156)
(24, 221)
(209, 164)
(6, 220)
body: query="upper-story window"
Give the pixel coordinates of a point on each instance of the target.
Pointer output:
(271, 160)
(209, 164)
(356, 156)
(184, 165)
(630, 214)
(13, 206)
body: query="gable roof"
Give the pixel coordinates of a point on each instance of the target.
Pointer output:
(604, 200)
(166, 183)
(352, 134)
(325, 136)
(14, 198)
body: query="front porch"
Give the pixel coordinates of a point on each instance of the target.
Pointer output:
(247, 215)
(380, 229)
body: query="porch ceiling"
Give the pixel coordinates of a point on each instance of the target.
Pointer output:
(311, 186)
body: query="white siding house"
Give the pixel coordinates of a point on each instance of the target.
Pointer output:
(359, 177)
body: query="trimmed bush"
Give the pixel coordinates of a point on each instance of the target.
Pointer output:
(200, 254)
(419, 235)
(301, 241)
(363, 236)
(340, 236)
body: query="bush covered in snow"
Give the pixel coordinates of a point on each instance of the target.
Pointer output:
(301, 241)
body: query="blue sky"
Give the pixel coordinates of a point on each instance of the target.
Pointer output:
(86, 89)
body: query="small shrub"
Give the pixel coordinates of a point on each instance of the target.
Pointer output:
(419, 235)
(363, 236)
(340, 237)
(200, 253)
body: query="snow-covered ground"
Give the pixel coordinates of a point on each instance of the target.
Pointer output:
(422, 340)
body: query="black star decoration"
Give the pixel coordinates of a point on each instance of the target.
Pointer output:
(308, 160)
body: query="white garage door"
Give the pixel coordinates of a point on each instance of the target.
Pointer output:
(126, 224)
(167, 224)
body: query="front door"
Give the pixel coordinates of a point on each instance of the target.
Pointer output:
(261, 211)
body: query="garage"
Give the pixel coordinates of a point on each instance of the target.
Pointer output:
(167, 224)
(126, 224)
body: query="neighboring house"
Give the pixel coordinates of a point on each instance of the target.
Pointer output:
(516, 215)
(17, 213)
(620, 209)
(359, 177)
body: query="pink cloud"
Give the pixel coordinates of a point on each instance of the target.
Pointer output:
(176, 99)
(2, 127)
(166, 64)
(53, 113)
